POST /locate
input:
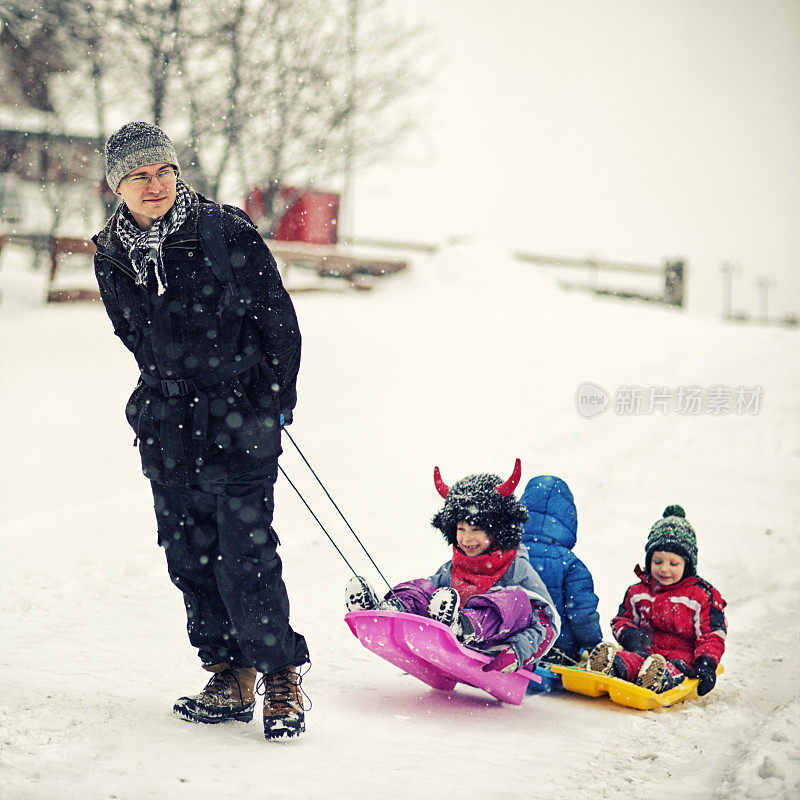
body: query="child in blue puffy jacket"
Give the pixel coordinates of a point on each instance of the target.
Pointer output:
(550, 534)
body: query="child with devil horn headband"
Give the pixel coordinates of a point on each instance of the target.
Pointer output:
(488, 593)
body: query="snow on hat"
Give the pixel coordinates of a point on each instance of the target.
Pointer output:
(485, 501)
(134, 145)
(673, 534)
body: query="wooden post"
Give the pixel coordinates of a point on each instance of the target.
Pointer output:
(674, 278)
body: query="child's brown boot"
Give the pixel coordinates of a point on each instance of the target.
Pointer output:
(601, 659)
(653, 674)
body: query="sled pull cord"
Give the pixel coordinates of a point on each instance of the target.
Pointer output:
(333, 503)
(283, 472)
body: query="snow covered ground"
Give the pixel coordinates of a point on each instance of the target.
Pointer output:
(466, 361)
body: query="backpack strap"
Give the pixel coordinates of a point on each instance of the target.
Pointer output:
(212, 240)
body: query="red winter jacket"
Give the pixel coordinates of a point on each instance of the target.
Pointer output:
(685, 620)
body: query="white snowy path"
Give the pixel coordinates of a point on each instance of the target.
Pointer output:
(468, 361)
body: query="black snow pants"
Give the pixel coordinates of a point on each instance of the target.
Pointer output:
(222, 554)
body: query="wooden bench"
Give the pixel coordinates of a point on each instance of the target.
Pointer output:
(63, 245)
(328, 261)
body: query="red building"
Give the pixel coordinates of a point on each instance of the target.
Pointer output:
(309, 216)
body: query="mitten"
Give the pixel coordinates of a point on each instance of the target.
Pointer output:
(286, 418)
(505, 661)
(635, 640)
(705, 670)
(463, 629)
(557, 656)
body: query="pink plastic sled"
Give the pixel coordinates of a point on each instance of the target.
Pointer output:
(428, 650)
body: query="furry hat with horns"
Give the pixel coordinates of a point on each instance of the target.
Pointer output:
(485, 501)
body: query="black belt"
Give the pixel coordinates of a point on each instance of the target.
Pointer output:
(196, 386)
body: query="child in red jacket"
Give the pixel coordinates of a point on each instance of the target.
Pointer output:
(672, 623)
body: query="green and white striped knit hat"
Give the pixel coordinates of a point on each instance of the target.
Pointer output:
(134, 145)
(673, 534)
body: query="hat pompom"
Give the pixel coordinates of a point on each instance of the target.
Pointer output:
(674, 511)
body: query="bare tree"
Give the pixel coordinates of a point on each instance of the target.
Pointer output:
(266, 91)
(124, 55)
(262, 92)
(39, 52)
(155, 30)
(33, 46)
(294, 110)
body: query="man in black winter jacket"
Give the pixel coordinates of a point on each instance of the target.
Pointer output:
(194, 293)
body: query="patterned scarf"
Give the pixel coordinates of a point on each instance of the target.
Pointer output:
(477, 574)
(144, 247)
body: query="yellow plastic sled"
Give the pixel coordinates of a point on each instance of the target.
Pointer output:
(595, 684)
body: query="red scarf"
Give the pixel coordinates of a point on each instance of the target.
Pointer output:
(477, 574)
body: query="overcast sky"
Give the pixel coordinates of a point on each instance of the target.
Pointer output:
(626, 129)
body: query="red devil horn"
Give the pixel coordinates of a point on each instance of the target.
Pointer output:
(506, 488)
(441, 486)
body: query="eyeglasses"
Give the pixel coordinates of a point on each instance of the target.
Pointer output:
(165, 176)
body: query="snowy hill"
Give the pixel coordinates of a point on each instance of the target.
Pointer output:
(467, 361)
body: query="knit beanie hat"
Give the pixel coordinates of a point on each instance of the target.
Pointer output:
(134, 145)
(673, 534)
(485, 501)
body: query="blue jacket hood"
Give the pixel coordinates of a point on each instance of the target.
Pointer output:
(552, 516)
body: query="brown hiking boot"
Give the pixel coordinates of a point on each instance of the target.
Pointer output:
(228, 695)
(283, 704)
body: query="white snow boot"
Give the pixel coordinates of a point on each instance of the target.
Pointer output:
(443, 607)
(359, 595)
